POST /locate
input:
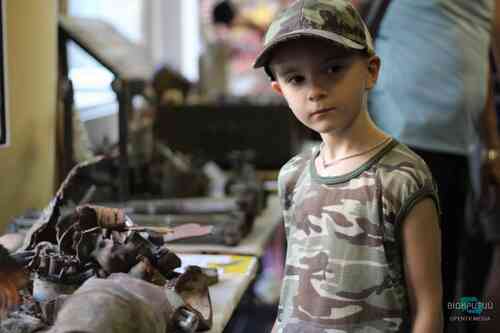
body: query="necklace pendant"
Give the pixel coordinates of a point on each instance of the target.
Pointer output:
(326, 165)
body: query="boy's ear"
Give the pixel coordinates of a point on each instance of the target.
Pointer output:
(275, 86)
(374, 64)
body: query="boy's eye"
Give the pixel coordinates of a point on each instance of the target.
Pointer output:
(295, 79)
(334, 69)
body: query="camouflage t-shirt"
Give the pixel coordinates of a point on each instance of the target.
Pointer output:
(344, 270)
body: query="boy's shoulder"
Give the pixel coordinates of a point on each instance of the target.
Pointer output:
(292, 170)
(402, 159)
(405, 179)
(297, 164)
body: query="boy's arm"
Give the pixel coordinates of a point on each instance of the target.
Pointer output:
(422, 265)
(275, 327)
(489, 135)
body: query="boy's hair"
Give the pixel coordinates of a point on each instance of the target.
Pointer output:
(337, 21)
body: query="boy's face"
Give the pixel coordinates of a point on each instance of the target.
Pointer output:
(324, 85)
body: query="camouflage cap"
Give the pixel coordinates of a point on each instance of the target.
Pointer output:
(334, 20)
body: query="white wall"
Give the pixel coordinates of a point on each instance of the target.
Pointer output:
(172, 34)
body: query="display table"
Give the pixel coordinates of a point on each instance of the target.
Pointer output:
(253, 244)
(237, 266)
(235, 275)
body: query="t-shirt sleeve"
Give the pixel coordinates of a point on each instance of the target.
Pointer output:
(404, 184)
(287, 180)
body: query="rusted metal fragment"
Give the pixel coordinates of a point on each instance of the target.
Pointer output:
(43, 229)
(90, 216)
(144, 247)
(166, 261)
(94, 234)
(84, 243)
(211, 274)
(65, 231)
(189, 231)
(48, 262)
(144, 270)
(155, 231)
(240, 208)
(226, 229)
(244, 183)
(115, 258)
(184, 318)
(175, 175)
(192, 286)
(68, 246)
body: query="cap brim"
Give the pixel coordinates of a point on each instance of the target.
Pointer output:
(263, 57)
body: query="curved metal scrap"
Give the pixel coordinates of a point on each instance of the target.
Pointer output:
(90, 216)
(192, 286)
(44, 228)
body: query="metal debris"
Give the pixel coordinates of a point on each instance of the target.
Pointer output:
(71, 247)
(192, 286)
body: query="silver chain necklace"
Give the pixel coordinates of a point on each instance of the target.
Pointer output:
(372, 148)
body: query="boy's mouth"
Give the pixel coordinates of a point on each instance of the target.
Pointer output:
(321, 111)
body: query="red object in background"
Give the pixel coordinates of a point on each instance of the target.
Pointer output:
(8, 295)
(12, 277)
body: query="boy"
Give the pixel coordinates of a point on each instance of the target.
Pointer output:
(361, 210)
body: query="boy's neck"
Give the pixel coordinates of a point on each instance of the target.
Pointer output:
(346, 151)
(360, 136)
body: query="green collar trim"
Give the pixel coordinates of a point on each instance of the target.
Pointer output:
(353, 174)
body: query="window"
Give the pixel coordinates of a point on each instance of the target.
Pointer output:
(92, 82)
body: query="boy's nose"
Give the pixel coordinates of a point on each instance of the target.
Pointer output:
(316, 91)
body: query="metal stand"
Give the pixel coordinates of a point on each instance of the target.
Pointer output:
(68, 101)
(121, 87)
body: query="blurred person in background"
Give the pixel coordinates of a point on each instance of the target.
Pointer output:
(232, 31)
(432, 98)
